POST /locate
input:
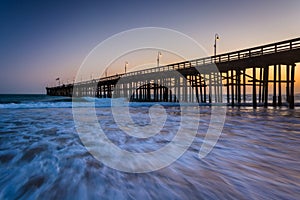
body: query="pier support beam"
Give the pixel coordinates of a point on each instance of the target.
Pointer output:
(288, 83)
(266, 84)
(274, 86)
(238, 78)
(210, 88)
(232, 88)
(244, 86)
(292, 97)
(227, 87)
(279, 87)
(260, 85)
(254, 89)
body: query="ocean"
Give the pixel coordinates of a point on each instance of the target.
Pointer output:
(43, 156)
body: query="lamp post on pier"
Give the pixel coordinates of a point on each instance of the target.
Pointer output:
(58, 80)
(215, 45)
(126, 64)
(158, 56)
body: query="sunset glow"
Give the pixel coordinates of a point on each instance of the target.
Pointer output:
(42, 41)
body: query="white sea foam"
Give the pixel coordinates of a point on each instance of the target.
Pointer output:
(257, 157)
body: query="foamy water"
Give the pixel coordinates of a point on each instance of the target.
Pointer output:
(42, 156)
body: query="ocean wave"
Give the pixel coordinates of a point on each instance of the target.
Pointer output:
(36, 105)
(257, 156)
(82, 102)
(44, 101)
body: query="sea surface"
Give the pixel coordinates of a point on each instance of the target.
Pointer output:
(42, 156)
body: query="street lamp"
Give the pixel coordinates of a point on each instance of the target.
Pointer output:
(158, 56)
(58, 80)
(215, 46)
(126, 64)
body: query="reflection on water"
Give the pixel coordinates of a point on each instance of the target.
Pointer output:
(257, 157)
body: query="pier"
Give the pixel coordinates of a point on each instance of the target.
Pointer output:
(254, 71)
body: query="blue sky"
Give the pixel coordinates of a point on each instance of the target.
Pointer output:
(42, 40)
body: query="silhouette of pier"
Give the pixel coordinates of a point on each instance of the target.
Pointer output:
(231, 78)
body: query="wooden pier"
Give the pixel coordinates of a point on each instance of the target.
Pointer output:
(226, 78)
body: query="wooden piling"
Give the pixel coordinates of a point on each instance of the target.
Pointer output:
(292, 96)
(288, 83)
(232, 88)
(260, 85)
(254, 89)
(274, 86)
(279, 86)
(244, 86)
(227, 86)
(238, 76)
(266, 83)
(210, 88)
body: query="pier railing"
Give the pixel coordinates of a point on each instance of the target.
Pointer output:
(93, 81)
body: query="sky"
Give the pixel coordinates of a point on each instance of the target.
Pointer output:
(43, 40)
